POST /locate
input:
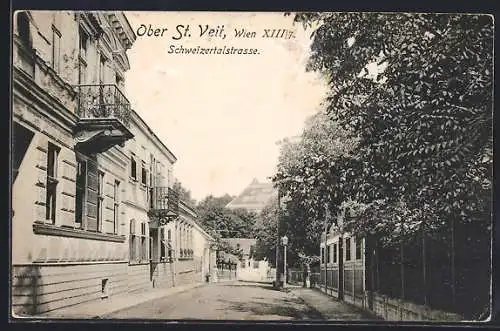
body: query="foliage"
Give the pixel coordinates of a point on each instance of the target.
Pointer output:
(184, 194)
(409, 133)
(226, 223)
(225, 247)
(308, 182)
(302, 235)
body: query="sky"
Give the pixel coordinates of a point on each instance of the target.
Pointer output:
(222, 115)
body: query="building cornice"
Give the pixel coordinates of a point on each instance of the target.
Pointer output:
(122, 28)
(150, 134)
(52, 230)
(25, 87)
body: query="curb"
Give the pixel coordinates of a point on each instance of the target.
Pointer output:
(103, 316)
(295, 295)
(371, 314)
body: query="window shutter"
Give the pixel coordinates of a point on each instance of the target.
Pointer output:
(92, 185)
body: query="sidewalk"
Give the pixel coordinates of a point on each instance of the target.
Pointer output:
(330, 308)
(99, 309)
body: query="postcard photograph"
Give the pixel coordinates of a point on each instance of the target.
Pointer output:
(251, 166)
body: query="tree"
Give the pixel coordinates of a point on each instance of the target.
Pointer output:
(184, 194)
(314, 171)
(423, 119)
(416, 89)
(214, 215)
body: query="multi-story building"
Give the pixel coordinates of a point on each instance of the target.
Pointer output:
(197, 249)
(93, 209)
(254, 197)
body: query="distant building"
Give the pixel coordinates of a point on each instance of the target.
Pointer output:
(248, 269)
(245, 244)
(254, 197)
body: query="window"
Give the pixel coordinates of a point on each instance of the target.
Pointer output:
(144, 243)
(163, 251)
(100, 198)
(102, 69)
(256, 264)
(84, 41)
(51, 197)
(118, 80)
(116, 204)
(166, 253)
(347, 249)
(25, 51)
(133, 242)
(23, 29)
(82, 73)
(56, 49)
(328, 254)
(151, 181)
(335, 253)
(21, 139)
(81, 184)
(322, 255)
(138, 241)
(359, 248)
(133, 168)
(144, 174)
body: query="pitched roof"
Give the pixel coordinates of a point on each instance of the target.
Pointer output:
(254, 197)
(244, 243)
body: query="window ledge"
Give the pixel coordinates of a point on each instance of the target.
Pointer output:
(138, 263)
(53, 230)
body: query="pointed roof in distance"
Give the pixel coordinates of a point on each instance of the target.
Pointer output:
(254, 197)
(245, 244)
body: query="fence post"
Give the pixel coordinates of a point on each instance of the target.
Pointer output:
(424, 266)
(452, 256)
(341, 268)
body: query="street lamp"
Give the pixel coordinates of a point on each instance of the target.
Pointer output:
(281, 200)
(284, 240)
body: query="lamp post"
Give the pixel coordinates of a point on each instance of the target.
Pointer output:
(284, 240)
(277, 283)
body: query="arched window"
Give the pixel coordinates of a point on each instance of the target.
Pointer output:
(23, 29)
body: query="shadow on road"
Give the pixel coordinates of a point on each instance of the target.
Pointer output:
(290, 308)
(265, 286)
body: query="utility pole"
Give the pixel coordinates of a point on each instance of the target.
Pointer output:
(278, 240)
(326, 253)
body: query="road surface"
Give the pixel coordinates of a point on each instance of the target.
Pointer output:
(224, 301)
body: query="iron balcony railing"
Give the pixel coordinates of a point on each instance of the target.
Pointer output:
(166, 198)
(103, 101)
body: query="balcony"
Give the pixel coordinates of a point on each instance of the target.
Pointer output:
(104, 118)
(165, 206)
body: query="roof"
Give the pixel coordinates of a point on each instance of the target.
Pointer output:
(254, 197)
(244, 243)
(228, 257)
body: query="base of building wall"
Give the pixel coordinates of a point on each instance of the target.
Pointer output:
(39, 289)
(391, 309)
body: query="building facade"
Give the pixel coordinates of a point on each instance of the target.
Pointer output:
(254, 197)
(343, 258)
(352, 267)
(94, 214)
